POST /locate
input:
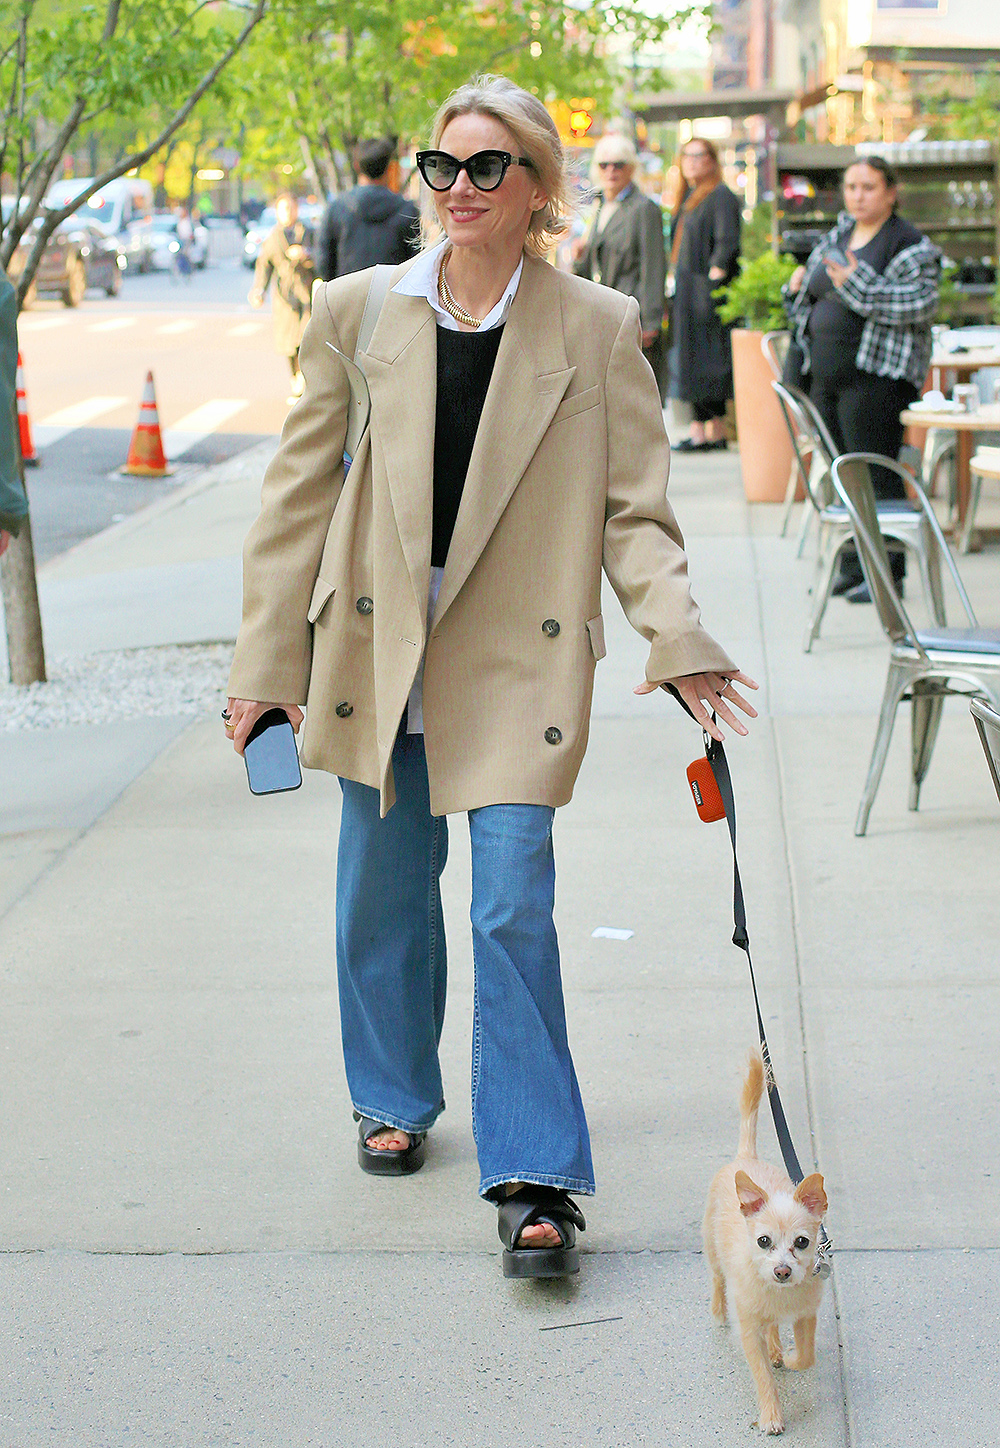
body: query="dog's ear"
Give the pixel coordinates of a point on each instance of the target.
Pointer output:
(752, 1198)
(811, 1195)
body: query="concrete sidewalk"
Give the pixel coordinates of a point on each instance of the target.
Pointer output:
(190, 1254)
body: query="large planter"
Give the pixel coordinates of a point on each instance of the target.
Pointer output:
(765, 447)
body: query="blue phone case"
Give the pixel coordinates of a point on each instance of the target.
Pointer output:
(270, 755)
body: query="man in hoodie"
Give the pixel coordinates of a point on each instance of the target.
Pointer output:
(370, 224)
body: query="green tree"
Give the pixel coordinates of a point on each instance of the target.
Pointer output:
(337, 71)
(67, 70)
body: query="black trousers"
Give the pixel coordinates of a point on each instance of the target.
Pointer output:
(861, 412)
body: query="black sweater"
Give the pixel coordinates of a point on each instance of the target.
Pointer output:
(464, 367)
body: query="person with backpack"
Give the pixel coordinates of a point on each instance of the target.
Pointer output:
(370, 225)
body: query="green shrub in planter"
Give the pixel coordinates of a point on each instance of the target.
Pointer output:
(754, 297)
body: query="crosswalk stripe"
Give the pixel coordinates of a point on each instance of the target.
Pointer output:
(115, 324)
(68, 419)
(196, 425)
(41, 324)
(245, 329)
(172, 328)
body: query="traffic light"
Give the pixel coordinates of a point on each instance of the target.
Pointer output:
(580, 122)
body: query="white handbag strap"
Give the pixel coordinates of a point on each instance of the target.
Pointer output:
(359, 403)
(377, 291)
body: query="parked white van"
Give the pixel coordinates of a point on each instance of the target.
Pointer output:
(111, 209)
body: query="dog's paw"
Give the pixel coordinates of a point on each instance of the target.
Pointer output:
(778, 1358)
(771, 1423)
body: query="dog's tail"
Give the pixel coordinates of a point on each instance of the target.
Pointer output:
(750, 1097)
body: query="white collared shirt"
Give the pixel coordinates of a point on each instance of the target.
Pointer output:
(422, 281)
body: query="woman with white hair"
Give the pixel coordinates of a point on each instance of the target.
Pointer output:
(438, 610)
(623, 245)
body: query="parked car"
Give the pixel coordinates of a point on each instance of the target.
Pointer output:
(77, 256)
(155, 243)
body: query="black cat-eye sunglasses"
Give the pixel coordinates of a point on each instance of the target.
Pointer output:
(486, 169)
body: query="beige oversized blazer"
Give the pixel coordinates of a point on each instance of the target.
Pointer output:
(569, 471)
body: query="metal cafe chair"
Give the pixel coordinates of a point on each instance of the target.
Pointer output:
(988, 723)
(774, 346)
(812, 453)
(899, 519)
(924, 665)
(985, 463)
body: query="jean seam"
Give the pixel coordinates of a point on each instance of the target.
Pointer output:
(431, 914)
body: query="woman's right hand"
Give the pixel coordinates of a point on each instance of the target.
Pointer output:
(244, 713)
(795, 280)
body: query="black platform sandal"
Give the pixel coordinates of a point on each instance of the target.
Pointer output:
(533, 1206)
(384, 1162)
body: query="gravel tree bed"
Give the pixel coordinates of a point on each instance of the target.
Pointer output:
(129, 684)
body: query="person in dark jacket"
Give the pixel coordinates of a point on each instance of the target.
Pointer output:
(704, 247)
(623, 244)
(13, 502)
(861, 311)
(370, 225)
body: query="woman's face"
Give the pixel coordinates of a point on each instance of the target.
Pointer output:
(697, 162)
(614, 173)
(496, 219)
(866, 195)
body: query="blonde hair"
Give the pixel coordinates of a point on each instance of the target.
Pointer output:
(536, 137)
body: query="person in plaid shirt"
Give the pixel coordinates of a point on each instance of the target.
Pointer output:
(860, 311)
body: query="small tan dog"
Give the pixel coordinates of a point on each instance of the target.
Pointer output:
(760, 1236)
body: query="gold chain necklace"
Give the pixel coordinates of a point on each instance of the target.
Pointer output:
(451, 306)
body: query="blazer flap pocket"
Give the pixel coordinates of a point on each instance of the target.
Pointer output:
(321, 596)
(595, 627)
(579, 402)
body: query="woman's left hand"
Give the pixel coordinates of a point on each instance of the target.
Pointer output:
(838, 274)
(718, 692)
(716, 274)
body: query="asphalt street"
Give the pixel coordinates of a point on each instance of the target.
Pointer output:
(220, 387)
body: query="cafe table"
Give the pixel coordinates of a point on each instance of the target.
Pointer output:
(965, 426)
(962, 364)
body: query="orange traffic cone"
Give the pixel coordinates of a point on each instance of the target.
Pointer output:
(146, 458)
(28, 453)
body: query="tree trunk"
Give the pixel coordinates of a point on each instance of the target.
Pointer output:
(23, 618)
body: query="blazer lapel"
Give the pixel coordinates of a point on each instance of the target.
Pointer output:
(401, 367)
(528, 383)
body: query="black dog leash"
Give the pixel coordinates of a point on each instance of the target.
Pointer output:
(716, 756)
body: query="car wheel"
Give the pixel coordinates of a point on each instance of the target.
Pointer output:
(76, 283)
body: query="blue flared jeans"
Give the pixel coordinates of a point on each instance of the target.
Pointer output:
(527, 1115)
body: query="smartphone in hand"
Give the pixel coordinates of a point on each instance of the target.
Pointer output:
(270, 755)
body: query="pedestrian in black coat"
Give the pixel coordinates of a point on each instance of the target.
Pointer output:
(623, 244)
(370, 225)
(705, 245)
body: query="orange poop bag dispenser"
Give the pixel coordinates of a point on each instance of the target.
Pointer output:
(707, 799)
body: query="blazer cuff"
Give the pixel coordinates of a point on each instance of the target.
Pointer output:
(694, 653)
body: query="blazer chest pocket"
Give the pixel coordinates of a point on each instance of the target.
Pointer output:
(321, 595)
(580, 402)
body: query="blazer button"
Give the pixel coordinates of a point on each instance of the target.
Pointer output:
(364, 605)
(553, 735)
(345, 710)
(550, 627)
